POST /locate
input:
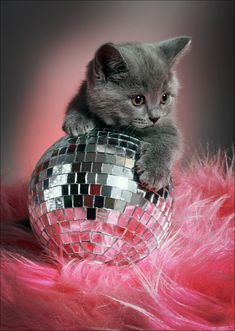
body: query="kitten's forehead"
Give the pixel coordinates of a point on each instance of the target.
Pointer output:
(146, 68)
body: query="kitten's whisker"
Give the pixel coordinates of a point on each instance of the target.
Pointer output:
(132, 129)
(129, 128)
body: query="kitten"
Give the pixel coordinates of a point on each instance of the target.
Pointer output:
(133, 86)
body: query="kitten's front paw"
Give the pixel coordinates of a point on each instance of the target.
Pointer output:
(76, 125)
(153, 174)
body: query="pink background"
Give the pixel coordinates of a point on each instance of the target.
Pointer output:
(46, 46)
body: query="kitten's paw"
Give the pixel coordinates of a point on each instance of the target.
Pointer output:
(152, 174)
(75, 126)
(71, 129)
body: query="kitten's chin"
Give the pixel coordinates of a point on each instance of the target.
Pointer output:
(139, 126)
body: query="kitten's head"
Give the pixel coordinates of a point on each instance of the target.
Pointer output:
(134, 84)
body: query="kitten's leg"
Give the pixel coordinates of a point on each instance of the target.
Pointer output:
(153, 171)
(156, 160)
(76, 123)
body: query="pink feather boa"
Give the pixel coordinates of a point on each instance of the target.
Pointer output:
(188, 285)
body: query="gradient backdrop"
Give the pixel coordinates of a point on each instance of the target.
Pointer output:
(47, 44)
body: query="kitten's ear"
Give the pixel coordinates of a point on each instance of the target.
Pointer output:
(173, 49)
(108, 60)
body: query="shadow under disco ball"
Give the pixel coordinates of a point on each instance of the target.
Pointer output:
(85, 200)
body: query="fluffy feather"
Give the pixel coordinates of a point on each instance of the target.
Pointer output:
(187, 285)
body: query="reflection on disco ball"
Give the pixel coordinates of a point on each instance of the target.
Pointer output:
(85, 200)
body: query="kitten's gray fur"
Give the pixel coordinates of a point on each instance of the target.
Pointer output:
(119, 72)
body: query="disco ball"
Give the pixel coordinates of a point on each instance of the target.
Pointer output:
(85, 200)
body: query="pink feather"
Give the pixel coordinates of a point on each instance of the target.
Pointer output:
(187, 285)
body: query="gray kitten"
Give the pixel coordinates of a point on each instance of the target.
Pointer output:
(132, 86)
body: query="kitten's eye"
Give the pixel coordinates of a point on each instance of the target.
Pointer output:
(164, 98)
(138, 100)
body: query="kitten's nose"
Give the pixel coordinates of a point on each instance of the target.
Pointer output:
(154, 119)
